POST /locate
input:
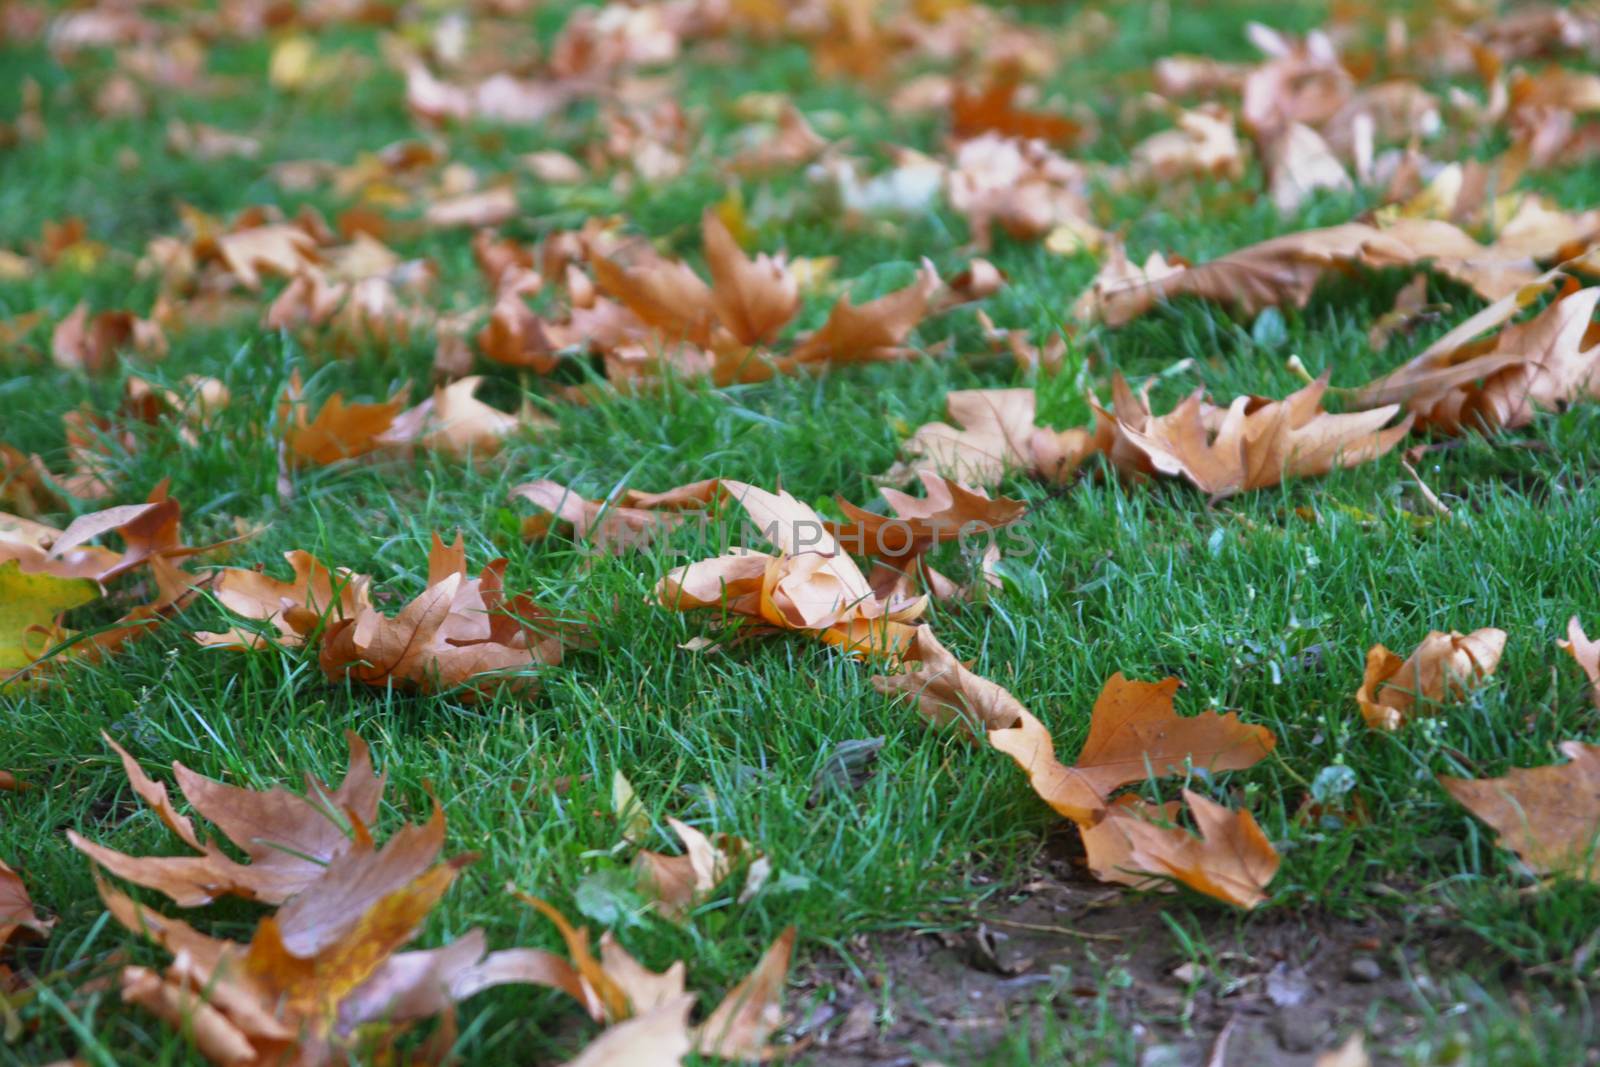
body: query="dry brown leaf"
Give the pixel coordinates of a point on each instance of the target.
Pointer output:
(292, 843)
(1284, 271)
(255, 1004)
(338, 431)
(810, 585)
(296, 608)
(1299, 163)
(279, 249)
(1410, 303)
(658, 1037)
(1587, 655)
(994, 110)
(460, 631)
(1549, 816)
(1440, 670)
(1231, 860)
(946, 691)
(627, 520)
(1202, 144)
(616, 987)
(453, 421)
(1463, 382)
(870, 332)
(92, 345)
(1134, 733)
(17, 914)
(1255, 442)
(789, 145)
(993, 435)
(677, 883)
(754, 299)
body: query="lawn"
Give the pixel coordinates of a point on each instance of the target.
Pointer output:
(1263, 603)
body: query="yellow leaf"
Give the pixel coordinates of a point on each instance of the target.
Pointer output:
(29, 606)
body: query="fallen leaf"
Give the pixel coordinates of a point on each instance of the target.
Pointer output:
(1587, 655)
(459, 631)
(946, 691)
(1440, 670)
(1231, 860)
(1549, 816)
(30, 607)
(676, 883)
(292, 843)
(1254, 442)
(1134, 733)
(338, 431)
(17, 914)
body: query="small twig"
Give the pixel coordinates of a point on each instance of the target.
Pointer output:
(1045, 928)
(1219, 1050)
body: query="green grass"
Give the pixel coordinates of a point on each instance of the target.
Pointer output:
(1254, 605)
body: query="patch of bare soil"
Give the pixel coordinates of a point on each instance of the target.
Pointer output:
(1181, 985)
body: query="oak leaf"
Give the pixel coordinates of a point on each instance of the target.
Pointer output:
(1441, 669)
(1549, 816)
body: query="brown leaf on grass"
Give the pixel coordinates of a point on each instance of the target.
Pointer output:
(1587, 655)
(1231, 860)
(1440, 670)
(1023, 187)
(296, 608)
(616, 987)
(1202, 144)
(147, 530)
(1549, 816)
(25, 483)
(946, 691)
(994, 110)
(1284, 271)
(1409, 304)
(950, 511)
(460, 631)
(1353, 1053)
(17, 914)
(658, 1037)
(1465, 382)
(280, 249)
(1134, 733)
(338, 431)
(993, 435)
(455, 422)
(754, 299)
(250, 1005)
(1299, 163)
(1253, 443)
(627, 520)
(292, 842)
(870, 332)
(488, 207)
(92, 345)
(677, 883)
(791, 144)
(810, 585)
